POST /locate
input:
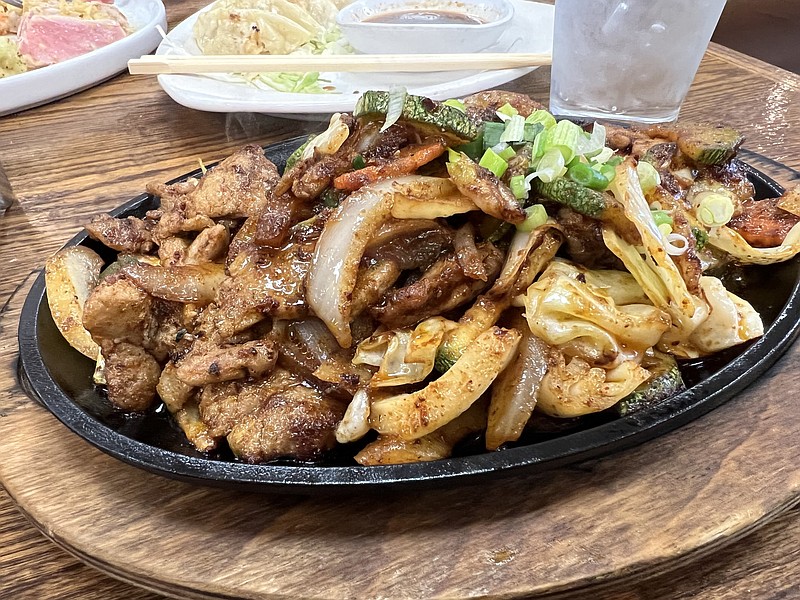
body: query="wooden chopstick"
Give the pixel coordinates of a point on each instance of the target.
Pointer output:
(154, 65)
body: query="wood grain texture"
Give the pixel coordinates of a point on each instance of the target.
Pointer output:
(593, 530)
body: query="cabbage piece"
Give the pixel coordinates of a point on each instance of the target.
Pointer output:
(658, 275)
(330, 140)
(730, 322)
(568, 312)
(405, 355)
(575, 388)
(728, 240)
(412, 416)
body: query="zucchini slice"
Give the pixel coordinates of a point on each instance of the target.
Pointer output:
(665, 381)
(439, 117)
(579, 198)
(709, 144)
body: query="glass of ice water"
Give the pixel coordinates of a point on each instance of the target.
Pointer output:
(628, 60)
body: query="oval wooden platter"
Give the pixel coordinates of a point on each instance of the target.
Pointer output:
(632, 514)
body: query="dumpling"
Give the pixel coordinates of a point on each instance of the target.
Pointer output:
(262, 26)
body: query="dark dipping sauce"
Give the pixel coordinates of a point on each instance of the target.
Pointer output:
(424, 17)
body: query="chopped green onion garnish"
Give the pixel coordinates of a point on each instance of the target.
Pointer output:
(648, 176)
(586, 176)
(665, 229)
(550, 167)
(514, 130)
(603, 156)
(531, 130)
(331, 197)
(474, 149)
(456, 103)
(507, 153)
(519, 187)
(700, 237)
(661, 217)
(614, 161)
(453, 155)
(607, 171)
(492, 132)
(543, 117)
(492, 161)
(507, 110)
(564, 136)
(538, 145)
(358, 162)
(590, 145)
(536, 217)
(715, 210)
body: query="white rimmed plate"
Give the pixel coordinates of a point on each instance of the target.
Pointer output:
(26, 90)
(531, 31)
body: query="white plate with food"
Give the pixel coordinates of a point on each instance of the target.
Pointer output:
(531, 31)
(36, 86)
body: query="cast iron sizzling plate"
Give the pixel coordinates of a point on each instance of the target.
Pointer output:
(60, 378)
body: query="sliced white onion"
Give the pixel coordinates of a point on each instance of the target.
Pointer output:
(355, 423)
(332, 276)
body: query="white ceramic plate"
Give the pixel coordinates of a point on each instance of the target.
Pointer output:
(40, 86)
(531, 31)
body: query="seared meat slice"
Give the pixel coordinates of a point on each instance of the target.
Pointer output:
(117, 311)
(321, 171)
(131, 235)
(624, 138)
(409, 243)
(762, 224)
(222, 405)
(407, 160)
(733, 177)
(171, 223)
(172, 195)
(172, 251)
(467, 253)
(131, 375)
(483, 105)
(441, 288)
(206, 363)
(584, 237)
(237, 187)
(372, 283)
(210, 245)
(296, 422)
(269, 283)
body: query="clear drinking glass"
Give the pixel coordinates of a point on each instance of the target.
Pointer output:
(629, 60)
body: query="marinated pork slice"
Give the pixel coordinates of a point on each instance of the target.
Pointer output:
(131, 234)
(268, 282)
(239, 186)
(441, 288)
(483, 105)
(131, 375)
(763, 224)
(46, 39)
(298, 423)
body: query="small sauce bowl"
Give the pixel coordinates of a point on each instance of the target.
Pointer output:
(424, 26)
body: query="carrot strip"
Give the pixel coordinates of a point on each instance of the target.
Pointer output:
(408, 160)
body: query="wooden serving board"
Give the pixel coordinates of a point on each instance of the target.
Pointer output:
(633, 514)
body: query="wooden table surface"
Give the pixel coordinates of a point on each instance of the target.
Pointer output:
(90, 152)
